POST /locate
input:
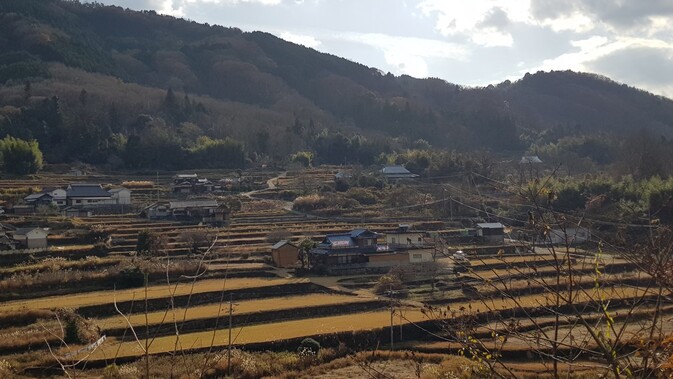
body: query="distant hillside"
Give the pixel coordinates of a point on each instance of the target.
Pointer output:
(99, 80)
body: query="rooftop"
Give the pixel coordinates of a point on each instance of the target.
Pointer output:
(395, 170)
(194, 204)
(490, 225)
(282, 243)
(86, 190)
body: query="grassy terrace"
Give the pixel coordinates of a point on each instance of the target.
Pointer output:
(153, 292)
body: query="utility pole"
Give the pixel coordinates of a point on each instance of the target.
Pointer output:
(231, 310)
(392, 313)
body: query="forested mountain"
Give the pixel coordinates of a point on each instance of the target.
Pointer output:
(135, 89)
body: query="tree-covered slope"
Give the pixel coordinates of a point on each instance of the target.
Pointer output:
(91, 82)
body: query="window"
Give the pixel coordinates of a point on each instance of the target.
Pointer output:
(393, 239)
(418, 256)
(420, 239)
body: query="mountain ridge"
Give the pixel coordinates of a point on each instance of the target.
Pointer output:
(307, 93)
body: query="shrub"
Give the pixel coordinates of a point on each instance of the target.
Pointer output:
(391, 281)
(362, 195)
(130, 277)
(309, 345)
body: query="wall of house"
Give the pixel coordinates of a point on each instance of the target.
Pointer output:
(391, 259)
(91, 201)
(123, 197)
(401, 238)
(35, 242)
(420, 256)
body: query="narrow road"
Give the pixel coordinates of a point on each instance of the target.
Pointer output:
(270, 185)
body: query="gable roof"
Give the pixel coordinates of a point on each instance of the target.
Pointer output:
(120, 189)
(36, 196)
(193, 204)
(282, 243)
(490, 225)
(395, 170)
(24, 231)
(86, 190)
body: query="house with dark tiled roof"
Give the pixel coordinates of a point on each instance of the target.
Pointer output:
(82, 194)
(191, 184)
(199, 210)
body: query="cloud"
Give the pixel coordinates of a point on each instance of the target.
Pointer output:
(616, 14)
(300, 39)
(408, 55)
(638, 65)
(484, 22)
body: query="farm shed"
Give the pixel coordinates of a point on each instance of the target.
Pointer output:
(31, 238)
(491, 232)
(396, 173)
(284, 254)
(121, 196)
(557, 236)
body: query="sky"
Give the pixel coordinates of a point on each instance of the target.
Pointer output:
(466, 42)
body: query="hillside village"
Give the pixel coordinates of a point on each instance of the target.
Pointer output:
(186, 200)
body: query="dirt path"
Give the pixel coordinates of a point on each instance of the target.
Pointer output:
(270, 185)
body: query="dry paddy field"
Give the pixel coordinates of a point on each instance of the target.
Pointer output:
(153, 292)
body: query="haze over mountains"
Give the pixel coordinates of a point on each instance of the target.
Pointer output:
(112, 69)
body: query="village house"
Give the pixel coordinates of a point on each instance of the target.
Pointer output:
(205, 210)
(284, 254)
(30, 238)
(191, 184)
(491, 233)
(360, 250)
(404, 237)
(397, 173)
(56, 196)
(87, 194)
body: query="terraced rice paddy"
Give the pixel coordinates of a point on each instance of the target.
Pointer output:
(242, 307)
(136, 294)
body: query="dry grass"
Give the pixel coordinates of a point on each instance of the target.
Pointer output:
(131, 184)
